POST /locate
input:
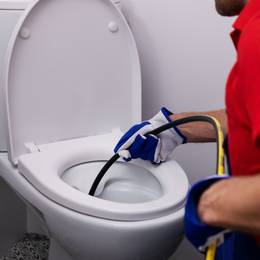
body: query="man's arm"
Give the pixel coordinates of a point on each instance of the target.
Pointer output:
(233, 204)
(200, 132)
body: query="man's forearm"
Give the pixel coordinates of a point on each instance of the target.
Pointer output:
(233, 204)
(202, 132)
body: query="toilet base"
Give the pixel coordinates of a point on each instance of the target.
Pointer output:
(57, 252)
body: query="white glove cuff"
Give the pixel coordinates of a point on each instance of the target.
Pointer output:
(160, 119)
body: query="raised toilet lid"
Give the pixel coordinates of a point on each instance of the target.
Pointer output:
(71, 70)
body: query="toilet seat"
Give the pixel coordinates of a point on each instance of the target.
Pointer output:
(44, 169)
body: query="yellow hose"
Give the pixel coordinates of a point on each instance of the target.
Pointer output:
(211, 252)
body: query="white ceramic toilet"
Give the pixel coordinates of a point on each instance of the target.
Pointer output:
(71, 84)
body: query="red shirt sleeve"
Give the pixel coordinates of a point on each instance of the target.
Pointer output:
(249, 75)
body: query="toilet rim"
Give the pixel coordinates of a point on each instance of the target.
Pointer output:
(44, 170)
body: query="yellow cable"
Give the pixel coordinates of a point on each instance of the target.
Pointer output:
(211, 252)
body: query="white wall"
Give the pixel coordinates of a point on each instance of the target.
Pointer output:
(12, 218)
(186, 54)
(13, 212)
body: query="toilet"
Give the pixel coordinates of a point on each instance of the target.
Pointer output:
(71, 85)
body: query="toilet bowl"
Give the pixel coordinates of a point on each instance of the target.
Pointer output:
(72, 84)
(138, 205)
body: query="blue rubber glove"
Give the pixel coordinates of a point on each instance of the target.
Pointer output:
(196, 231)
(156, 149)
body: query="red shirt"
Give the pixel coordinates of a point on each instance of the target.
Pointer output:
(243, 94)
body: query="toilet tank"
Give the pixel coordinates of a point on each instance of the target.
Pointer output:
(10, 11)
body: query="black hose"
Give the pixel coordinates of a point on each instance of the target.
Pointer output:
(156, 132)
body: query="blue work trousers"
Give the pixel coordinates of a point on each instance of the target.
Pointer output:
(239, 246)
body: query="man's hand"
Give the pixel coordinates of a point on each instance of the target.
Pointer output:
(233, 203)
(135, 143)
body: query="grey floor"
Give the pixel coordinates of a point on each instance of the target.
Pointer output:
(186, 252)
